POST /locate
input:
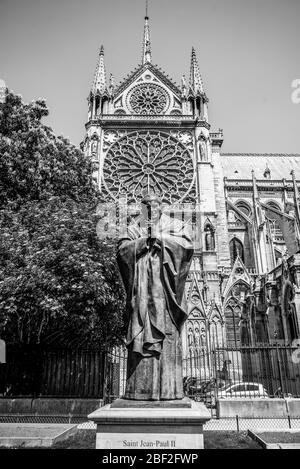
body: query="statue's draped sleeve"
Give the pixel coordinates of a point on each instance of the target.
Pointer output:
(177, 252)
(129, 249)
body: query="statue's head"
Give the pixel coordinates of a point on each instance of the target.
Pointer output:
(153, 206)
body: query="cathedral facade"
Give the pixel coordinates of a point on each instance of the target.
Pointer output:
(148, 134)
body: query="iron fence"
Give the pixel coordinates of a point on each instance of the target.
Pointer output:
(114, 374)
(245, 371)
(37, 371)
(209, 373)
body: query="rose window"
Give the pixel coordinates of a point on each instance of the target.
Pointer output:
(149, 162)
(148, 99)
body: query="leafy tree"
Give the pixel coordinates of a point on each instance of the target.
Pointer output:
(34, 163)
(58, 281)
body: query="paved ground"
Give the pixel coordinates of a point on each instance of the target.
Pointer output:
(36, 434)
(86, 439)
(292, 436)
(45, 435)
(275, 439)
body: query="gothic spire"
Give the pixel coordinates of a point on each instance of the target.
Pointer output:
(99, 83)
(146, 40)
(196, 83)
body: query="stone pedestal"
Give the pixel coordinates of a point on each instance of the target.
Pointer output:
(148, 425)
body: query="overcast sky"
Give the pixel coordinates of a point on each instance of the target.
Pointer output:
(248, 52)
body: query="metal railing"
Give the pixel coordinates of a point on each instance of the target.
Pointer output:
(261, 371)
(43, 371)
(209, 373)
(242, 372)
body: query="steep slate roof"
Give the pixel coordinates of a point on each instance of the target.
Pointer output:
(280, 165)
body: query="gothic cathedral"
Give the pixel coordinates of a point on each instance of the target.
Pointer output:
(244, 286)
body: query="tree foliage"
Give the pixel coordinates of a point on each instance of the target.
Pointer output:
(34, 163)
(58, 281)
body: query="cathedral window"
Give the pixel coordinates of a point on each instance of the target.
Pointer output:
(236, 316)
(274, 221)
(97, 105)
(216, 330)
(236, 249)
(198, 105)
(244, 207)
(148, 99)
(232, 318)
(149, 162)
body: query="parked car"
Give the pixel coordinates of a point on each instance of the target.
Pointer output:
(235, 390)
(243, 389)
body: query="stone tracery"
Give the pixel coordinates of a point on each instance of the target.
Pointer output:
(148, 98)
(148, 162)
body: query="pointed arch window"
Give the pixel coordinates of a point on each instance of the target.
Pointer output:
(198, 105)
(97, 105)
(274, 220)
(192, 106)
(236, 317)
(232, 318)
(236, 249)
(244, 207)
(216, 330)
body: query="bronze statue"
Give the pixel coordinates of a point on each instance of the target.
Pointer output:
(154, 266)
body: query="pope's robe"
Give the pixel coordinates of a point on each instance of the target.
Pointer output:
(154, 274)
